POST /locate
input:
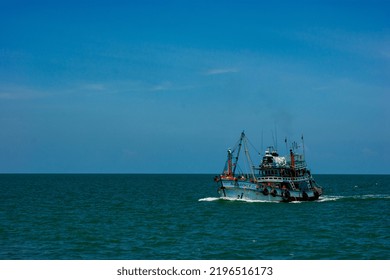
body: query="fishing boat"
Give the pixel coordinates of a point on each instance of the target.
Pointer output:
(277, 178)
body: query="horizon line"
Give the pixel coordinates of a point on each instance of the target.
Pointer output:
(155, 173)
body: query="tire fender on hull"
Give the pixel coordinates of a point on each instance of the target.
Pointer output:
(305, 196)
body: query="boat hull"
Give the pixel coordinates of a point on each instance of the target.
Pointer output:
(251, 191)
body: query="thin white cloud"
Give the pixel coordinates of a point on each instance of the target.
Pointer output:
(322, 88)
(161, 87)
(11, 92)
(7, 95)
(358, 43)
(219, 71)
(127, 87)
(94, 87)
(385, 53)
(164, 86)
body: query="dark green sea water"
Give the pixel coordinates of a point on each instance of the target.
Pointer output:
(179, 217)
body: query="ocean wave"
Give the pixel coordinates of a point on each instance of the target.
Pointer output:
(208, 199)
(374, 196)
(326, 198)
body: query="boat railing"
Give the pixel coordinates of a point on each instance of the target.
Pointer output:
(272, 178)
(298, 178)
(276, 179)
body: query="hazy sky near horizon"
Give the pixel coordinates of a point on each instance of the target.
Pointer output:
(168, 86)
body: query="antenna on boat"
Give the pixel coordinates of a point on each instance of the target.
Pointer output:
(273, 139)
(285, 141)
(262, 140)
(303, 147)
(276, 136)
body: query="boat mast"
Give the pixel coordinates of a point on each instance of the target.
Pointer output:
(238, 152)
(249, 160)
(292, 156)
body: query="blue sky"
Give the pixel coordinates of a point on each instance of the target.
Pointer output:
(168, 86)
